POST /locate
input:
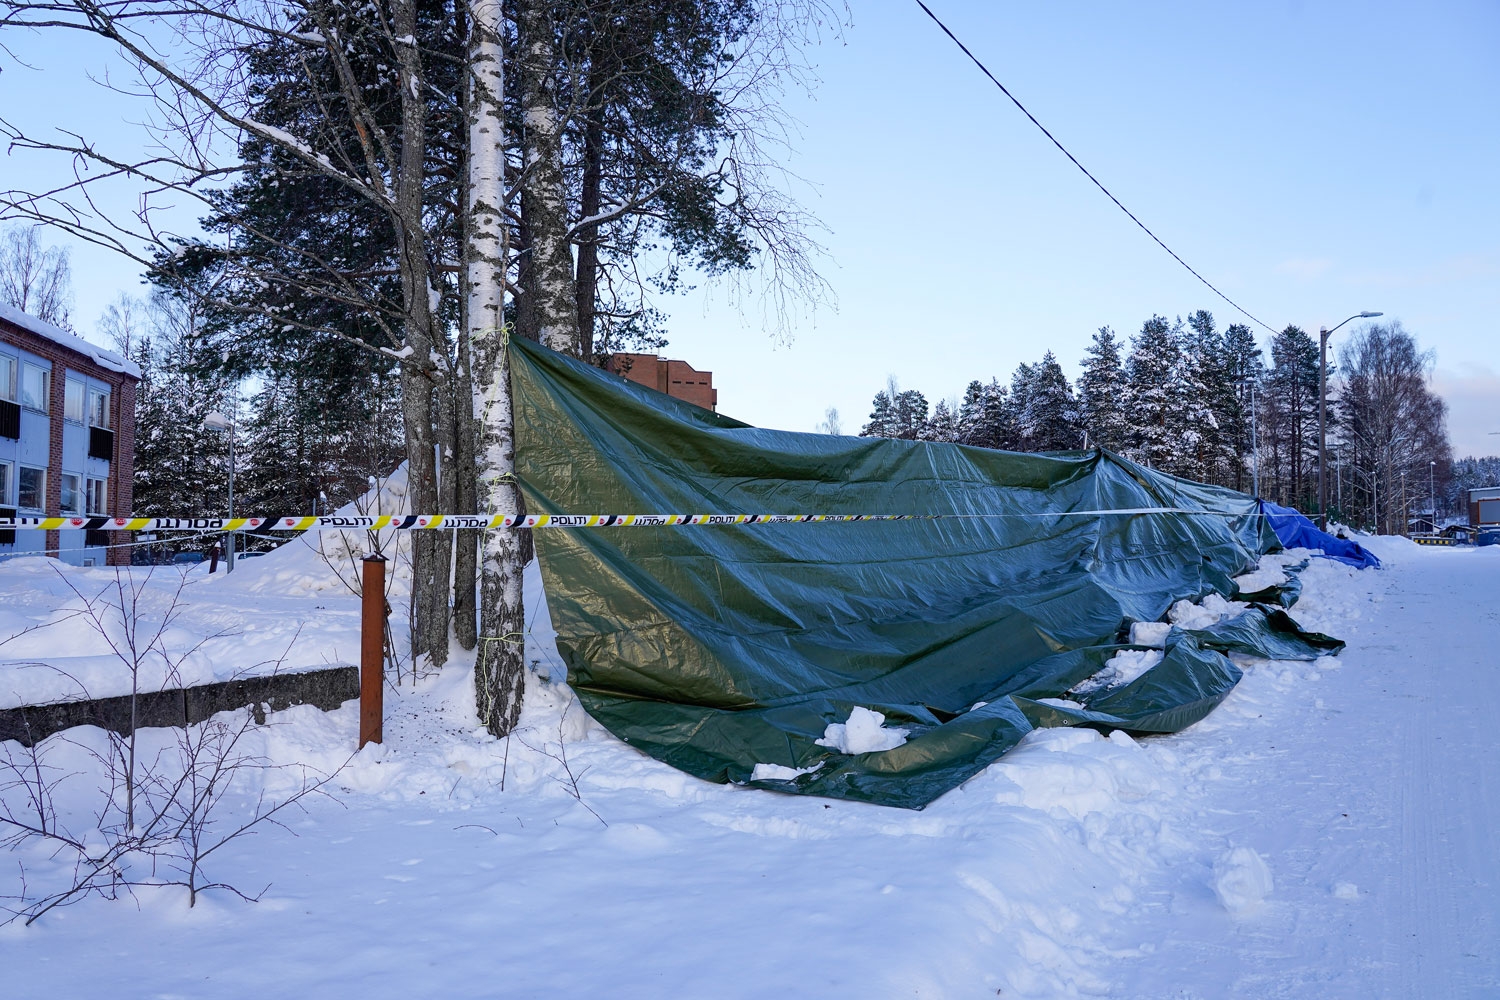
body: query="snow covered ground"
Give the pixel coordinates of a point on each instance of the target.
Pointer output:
(1323, 833)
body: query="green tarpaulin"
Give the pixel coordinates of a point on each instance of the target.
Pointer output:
(715, 649)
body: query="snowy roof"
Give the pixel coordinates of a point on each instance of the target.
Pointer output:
(101, 357)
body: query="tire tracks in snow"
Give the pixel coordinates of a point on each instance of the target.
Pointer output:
(1364, 782)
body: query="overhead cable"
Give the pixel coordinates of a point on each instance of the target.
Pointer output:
(985, 70)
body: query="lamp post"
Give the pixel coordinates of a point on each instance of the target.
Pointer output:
(1323, 335)
(1432, 491)
(1254, 447)
(218, 422)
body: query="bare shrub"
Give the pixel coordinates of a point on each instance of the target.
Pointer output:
(93, 812)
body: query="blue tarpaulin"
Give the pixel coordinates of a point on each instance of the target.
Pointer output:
(1298, 532)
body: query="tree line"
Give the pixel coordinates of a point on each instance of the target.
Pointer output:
(1191, 400)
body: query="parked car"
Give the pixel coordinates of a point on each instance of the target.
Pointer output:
(187, 558)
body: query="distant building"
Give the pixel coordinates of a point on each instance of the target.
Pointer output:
(67, 438)
(677, 379)
(1484, 505)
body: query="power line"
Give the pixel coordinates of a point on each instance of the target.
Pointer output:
(985, 70)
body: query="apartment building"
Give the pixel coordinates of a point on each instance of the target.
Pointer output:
(67, 438)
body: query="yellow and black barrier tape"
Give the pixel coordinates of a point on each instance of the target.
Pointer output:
(488, 522)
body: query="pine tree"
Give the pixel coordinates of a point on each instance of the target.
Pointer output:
(1101, 393)
(1291, 419)
(910, 415)
(882, 417)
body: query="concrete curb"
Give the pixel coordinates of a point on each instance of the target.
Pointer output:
(323, 687)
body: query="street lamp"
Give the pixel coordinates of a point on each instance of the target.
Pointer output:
(218, 422)
(1323, 336)
(1432, 491)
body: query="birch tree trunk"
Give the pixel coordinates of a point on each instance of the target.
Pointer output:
(466, 430)
(466, 560)
(499, 669)
(546, 193)
(420, 375)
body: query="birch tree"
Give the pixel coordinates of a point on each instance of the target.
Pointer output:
(544, 192)
(1392, 423)
(499, 669)
(35, 279)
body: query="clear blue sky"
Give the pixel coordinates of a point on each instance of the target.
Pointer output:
(1311, 159)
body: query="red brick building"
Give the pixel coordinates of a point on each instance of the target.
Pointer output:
(67, 438)
(677, 379)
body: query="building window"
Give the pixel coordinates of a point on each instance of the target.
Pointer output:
(73, 401)
(32, 489)
(5, 484)
(72, 493)
(7, 378)
(98, 496)
(98, 408)
(36, 387)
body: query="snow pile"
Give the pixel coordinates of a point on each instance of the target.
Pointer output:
(1271, 570)
(321, 562)
(1119, 670)
(1210, 611)
(865, 732)
(779, 772)
(1149, 633)
(1242, 881)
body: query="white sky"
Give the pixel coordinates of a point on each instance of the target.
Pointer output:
(1311, 159)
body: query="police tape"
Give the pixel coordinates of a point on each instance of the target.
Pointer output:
(488, 522)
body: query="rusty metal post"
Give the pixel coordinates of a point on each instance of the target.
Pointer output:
(372, 651)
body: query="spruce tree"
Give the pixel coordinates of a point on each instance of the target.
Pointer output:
(1242, 371)
(943, 425)
(181, 468)
(1049, 422)
(986, 418)
(971, 414)
(1150, 393)
(1204, 402)
(1101, 393)
(1020, 403)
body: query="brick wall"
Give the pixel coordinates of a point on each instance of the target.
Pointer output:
(675, 378)
(122, 399)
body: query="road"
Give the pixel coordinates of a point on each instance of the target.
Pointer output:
(1373, 799)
